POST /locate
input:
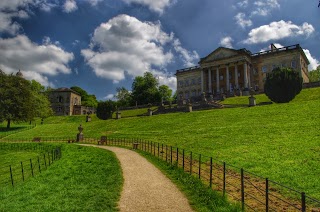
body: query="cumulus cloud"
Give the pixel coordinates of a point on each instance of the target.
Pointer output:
(155, 5)
(263, 8)
(314, 63)
(242, 21)
(70, 6)
(278, 30)
(109, 96)
(10, 9)
(226, 42)
(35, 61)
(243, 4)
(126, 46)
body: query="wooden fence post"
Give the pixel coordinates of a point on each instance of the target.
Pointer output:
(210, 172)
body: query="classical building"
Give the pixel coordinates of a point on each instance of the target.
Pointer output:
(232, 72)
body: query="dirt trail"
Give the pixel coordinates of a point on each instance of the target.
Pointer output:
(145, 187)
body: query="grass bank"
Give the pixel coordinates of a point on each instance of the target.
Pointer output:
(84, 179)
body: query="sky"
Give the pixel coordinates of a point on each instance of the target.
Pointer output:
(100, 45)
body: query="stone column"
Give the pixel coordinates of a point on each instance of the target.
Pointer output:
(249, 77)
(202, 83)
(245, 75)
(236, 76)
(209, 82)
(218, 78)
(227, 79)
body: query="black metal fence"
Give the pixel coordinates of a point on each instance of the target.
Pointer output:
(12, 174)
(254, 192)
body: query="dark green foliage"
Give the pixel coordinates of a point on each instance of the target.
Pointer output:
(105, 109)
(314, 75)
(165, 92)
(282, 85)
(124, 97)
(86, 99)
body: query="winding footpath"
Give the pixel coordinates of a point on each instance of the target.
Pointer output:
(145, 187)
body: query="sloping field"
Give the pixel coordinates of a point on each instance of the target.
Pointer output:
(279, 141)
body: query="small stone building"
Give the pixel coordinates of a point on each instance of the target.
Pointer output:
(65, 101)
(232, 72)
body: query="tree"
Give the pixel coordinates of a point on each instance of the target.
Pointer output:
(16, 99)
(123, 97)
(41, 104)
(314, 75)
(105, 109)
(145, 89)
(88, 100)
(282, 85)
(165, 93)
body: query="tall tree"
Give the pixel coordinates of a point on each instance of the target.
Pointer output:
(105, 109)
(145, 89)
(165, 92)
(16, 99)
(314, 75)
(41, 103)
(123, 97)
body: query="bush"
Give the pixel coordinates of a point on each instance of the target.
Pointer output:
(282, 85)
(105, 109)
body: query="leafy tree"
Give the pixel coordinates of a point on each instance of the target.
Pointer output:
(86, 99)
(105, 109)
(282, 85)
(42, 107)
(16, 99)
(145, 89)
(165, 92)
(123, 96)
(314, 76)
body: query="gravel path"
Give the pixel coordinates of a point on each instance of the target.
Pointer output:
(145, 187)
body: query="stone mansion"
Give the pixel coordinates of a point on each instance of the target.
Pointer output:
(232, 72)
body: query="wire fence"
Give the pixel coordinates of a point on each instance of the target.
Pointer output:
(254, 192)
(14, 174)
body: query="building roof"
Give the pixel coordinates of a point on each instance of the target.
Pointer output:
(65, 90)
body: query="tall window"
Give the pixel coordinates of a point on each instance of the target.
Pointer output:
(293, 64)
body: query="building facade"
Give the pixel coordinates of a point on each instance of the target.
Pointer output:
(64, 101)
(232, 72)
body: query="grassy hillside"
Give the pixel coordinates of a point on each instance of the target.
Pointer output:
(281, 141)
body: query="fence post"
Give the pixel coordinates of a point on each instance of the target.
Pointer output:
(22, 171)
(11, 176)
(148, 146)
(199, 166)
(154, 149)
(267, 194)
(158, 150)
(210, 172)
(171, 155)
(190, 163)
(45, 162)
(39, 165)
(166, 153)
(242, 189)
(177, 157)
(224, 178)
(49, 158)
(303, 202)
(183, 159)
(31, 167)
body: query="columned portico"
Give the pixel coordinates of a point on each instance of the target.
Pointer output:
(245, 75)
(209, 82)
(217, 80)
(202, 82)
(227, 79)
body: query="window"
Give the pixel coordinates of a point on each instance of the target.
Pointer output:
(255, 71)
(264, 69)
(221, 77)
(293, 64)
(181, 83)
(60, 99)
(230, 75)
(187, 82)
(199, 80)
(193, 81)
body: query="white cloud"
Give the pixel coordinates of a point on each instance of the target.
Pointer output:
(126, 46)
(243, 4)
(109, 96)
(70, 6)
(94, 2)
(187, 57)
(278, 30)
(168, 80)
(155, 5)
(242, 21)
(314, 63)
(263, 8)
(36, 61)
(226, 42)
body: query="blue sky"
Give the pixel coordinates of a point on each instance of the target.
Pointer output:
(100, 45)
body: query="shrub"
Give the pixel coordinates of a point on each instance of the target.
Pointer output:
(105, 109)
(282, 85)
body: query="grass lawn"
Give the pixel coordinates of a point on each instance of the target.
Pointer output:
(279, 141)
(84, 179)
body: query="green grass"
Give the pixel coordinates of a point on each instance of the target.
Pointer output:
(201, 198)
(279, 141)
(84, 179)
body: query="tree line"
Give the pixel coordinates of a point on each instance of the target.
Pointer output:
(145, 90)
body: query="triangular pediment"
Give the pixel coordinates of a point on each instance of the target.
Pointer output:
(219, 54)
